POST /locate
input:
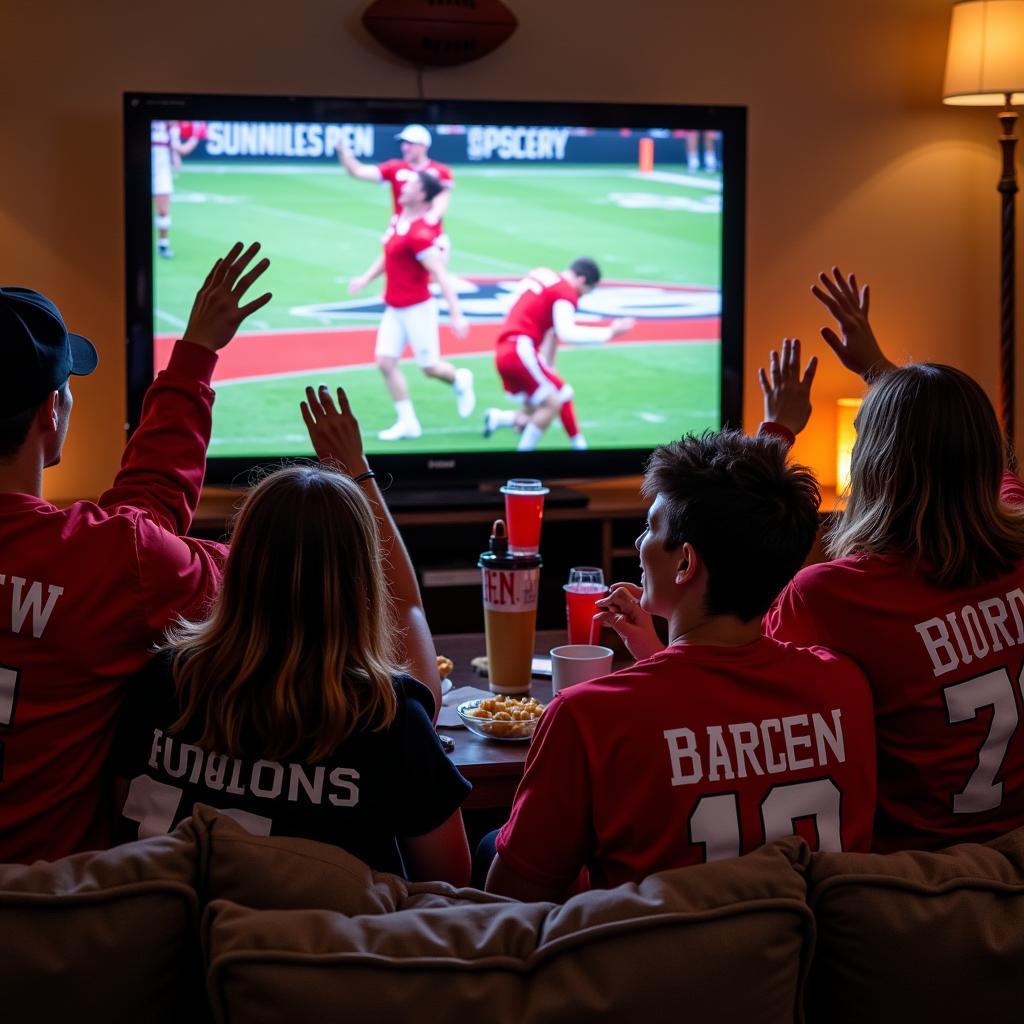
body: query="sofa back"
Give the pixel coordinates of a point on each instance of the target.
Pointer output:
(672, 946)
(211, 919)
(919, 936)
(106, 936)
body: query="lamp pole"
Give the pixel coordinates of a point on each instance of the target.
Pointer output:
(1007, 284)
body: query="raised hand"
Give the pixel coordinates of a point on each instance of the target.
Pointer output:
(858, 349)
(333, 430)
(622, 612)
(787, 398)
(216, 314)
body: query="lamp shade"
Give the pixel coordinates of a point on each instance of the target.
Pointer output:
(846, 437)
(985, 59)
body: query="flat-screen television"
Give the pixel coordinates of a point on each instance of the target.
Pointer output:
(651, 194)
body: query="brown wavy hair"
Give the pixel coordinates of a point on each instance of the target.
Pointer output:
(296, 651)
(925, 478)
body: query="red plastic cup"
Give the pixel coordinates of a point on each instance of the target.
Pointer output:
(584, 589)
(524, 510)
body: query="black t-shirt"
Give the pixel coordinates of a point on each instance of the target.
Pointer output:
(374, 789)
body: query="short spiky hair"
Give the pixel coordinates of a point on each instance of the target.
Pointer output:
(587, 269)
(750, 515)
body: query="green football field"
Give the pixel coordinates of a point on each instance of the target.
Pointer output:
(320, 228)
(614, 378)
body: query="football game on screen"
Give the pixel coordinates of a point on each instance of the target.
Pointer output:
(365, 256)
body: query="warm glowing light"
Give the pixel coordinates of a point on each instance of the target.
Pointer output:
(985, 59)
(846, 435)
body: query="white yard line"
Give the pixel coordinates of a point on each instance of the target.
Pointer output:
(170, 318)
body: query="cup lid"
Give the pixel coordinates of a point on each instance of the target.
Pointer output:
(521, 485)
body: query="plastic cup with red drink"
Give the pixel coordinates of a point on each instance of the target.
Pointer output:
(585, 588)
(524, 510)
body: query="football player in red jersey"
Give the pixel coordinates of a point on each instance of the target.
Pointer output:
(721, 741)
(415, 142)
(167, 147)
(925, 591)
(409, 258)
(544, 315)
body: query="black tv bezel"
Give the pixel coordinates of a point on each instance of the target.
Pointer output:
(432, 469)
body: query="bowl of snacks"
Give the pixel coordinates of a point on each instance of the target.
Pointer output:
(501, 718)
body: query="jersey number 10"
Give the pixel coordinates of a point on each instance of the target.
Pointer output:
(715, 821)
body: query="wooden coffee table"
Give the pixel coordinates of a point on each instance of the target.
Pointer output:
(493, 766)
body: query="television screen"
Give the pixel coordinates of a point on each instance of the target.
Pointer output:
(578, 265)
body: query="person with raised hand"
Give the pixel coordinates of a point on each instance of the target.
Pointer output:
(288, 704)
(91, 586)
(858, 349)
(924, 590)
(787, 408)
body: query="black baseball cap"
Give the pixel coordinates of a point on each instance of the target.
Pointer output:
(37, 352)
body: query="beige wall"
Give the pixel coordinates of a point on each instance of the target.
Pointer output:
(852, 157)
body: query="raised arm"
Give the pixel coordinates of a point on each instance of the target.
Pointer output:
(334, 432)
(858, 349)
(787, 396)
(164, 463)
(364, 172)
(439, 206)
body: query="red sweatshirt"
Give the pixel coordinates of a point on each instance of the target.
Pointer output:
(85, 593)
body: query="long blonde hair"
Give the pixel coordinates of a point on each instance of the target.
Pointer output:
(296, 651)
(925, 477)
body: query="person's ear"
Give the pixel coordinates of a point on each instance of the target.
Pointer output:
(47, 417)
(689, 562)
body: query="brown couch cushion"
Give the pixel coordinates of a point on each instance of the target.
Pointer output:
(282, 873)
(919, 936)
(106, 936)
(725, 941)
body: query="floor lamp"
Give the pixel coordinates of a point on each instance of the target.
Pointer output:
(985, 67)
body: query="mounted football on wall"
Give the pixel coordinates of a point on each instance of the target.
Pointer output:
(439, 33)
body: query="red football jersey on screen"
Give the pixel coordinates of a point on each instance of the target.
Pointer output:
(397, 172)
(407, 281)
(85, 593)
(532, 313)
(945, 667)
(697, 753)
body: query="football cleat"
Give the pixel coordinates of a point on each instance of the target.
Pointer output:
(490, 421)
(401, 432)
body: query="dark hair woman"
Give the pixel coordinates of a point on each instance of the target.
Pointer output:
(288, 705)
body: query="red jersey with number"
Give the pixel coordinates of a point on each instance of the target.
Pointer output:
(532, 313)
(946, 668)
(697, 753)
(397, 172)
(406, 242)
(85, 593)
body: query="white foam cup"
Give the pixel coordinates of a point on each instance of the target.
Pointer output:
(576, 663)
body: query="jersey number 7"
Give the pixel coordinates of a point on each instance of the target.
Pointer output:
(963, 701)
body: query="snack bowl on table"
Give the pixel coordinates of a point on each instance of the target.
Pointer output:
(501, 718)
